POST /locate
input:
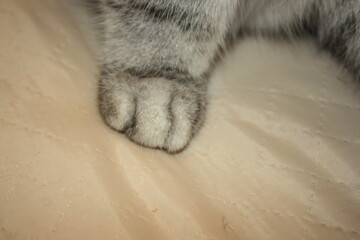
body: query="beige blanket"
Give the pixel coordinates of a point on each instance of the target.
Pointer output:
(278, 157)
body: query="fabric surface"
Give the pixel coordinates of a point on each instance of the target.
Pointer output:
(278, 157)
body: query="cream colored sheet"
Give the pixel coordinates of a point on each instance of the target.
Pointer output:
(278, 158)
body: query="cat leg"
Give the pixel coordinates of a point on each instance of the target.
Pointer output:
(155, 61)
(339, 32)
(335, 24)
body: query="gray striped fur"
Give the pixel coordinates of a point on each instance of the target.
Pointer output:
(156, 55)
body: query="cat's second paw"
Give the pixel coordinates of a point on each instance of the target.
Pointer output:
(153, 112)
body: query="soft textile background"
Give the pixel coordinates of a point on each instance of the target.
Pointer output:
(278, 158)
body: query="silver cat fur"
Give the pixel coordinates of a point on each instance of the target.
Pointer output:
(156, 55)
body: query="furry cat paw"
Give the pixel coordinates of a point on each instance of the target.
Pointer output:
(153, 112)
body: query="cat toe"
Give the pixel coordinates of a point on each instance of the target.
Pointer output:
(153, 112)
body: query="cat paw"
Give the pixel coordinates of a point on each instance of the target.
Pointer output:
(153, 112)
